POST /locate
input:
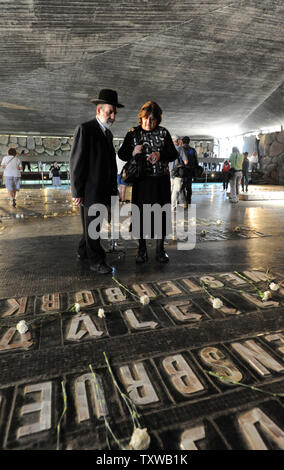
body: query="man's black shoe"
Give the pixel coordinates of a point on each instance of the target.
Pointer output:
(81, 257)
(141, 257)
(101, 268)
(162, 257)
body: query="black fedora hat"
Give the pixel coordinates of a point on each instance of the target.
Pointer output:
(107, 97)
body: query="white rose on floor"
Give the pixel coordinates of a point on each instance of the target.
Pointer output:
(77, 307)
(101, 313)
(22, 327)
(273, 286)
(144, 300)
(266, 295)
(140, 439)
(217, 303)
(218, 222)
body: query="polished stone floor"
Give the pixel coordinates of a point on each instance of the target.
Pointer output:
(163, 353)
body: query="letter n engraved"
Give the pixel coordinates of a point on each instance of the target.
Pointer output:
(190, 436)
(79, 326)
(98, 402)
(18, 306)
(42, 409)
(220, 364)
(257, 358)
(181, 375)
(50, 302)
(138, 385)
(248, 421)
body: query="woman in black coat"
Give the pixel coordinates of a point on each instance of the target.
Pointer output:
(152, 143)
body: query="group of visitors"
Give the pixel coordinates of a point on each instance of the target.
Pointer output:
(236, 171)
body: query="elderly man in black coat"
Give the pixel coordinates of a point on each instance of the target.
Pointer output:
(93, 173)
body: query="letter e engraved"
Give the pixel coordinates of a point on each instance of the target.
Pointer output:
(50, 302)
(97, 396)
(114, 294)
(134, 323)
(247, 422)
(220, 364)
(181, 311)
(191, 285)
(18, 306)
(169, 288)
(279, 338)
(181, 375)
(139, 388)
(190, 436)
(86, 326)
(43, 406)
(7, 342)
(257, 358)
(85, 298)
(143, 289)
(258, 302)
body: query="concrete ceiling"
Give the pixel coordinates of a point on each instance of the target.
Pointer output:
(211, 65)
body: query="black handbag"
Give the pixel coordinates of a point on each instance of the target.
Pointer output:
(231, 172)
(133, 169)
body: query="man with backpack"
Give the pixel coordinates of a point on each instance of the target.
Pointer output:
(189, 156)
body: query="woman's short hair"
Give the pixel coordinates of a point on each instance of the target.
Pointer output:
(150, 107)
(12, 151)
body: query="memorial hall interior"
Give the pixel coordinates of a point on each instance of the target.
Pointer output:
(196, 345)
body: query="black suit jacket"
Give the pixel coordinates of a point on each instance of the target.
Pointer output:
(93, 169)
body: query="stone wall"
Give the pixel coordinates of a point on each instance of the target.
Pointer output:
(44, 149)
(271, 147)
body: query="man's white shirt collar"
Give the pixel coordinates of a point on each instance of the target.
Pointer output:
(102, 126)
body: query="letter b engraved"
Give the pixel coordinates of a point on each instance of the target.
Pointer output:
(181, 375)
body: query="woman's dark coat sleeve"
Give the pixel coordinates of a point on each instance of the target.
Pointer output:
(169, 153)
(125, 151)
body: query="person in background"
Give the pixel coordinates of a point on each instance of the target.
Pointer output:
(24, 163)
(245, 172)
(236, 162)
(12, 166)
(55, 171)
(225, 174)
(189, 156)
(254, 161)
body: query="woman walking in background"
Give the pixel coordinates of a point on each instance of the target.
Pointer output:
(12, 174)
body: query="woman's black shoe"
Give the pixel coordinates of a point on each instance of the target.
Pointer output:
(141, 257)
(162, 257)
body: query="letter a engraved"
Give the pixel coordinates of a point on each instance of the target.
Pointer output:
(134, 323)
(75, 334)
(181, 375)
(220, 364)
(50, 302)
(97, 396)
(211, 281)
(15, 305)
(22, 341)
(42, 408)
(247, 422)
(257, 357)
(139, 388)
(190, 436)
(181, 311)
